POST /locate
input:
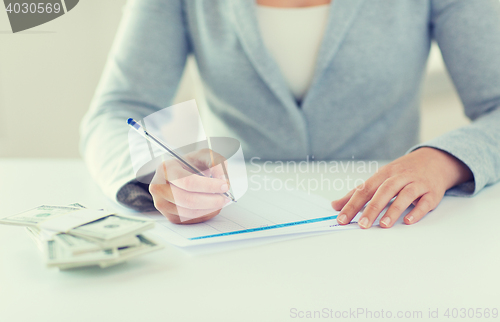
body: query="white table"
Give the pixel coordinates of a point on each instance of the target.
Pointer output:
(448, 260)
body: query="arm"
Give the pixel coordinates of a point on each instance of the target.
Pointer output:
(141, 76)
(468, 34)
(462, 161)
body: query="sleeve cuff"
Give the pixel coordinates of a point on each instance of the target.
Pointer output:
(135, 195)
(466, 189)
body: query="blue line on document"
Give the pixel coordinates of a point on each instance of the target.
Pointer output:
(295, 223)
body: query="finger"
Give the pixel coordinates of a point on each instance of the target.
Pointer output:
(425, 204)
(171, 210)
(189, 181)
(415, 201)
(405, 198)
(186, 199)
(201, 219)
(220, 171)
(358, 200)
(385, 192)
(166, 208)
(219, 167)
(210, 161)
(195, 200)
(340, 203)
(177, 220)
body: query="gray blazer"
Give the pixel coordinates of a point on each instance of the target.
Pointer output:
(363, 102)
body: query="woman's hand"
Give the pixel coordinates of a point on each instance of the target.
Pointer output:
(420, 177)
(187, 198)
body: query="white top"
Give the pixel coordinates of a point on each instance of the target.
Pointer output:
(293, 37)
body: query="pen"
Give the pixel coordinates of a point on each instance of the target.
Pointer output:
(151, 138)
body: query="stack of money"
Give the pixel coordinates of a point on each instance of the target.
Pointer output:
(106, 241)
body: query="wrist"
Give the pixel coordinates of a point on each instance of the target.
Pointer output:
(453, 170)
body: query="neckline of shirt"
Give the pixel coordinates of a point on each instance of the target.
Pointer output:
(295, 9)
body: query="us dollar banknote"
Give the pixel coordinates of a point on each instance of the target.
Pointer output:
(57, 256)
(112, 227)
(37, 215)
(104, 242)
(79, 245)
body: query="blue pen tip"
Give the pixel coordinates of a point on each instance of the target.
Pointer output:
(133, 123)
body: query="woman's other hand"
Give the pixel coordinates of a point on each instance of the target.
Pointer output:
(420, 178)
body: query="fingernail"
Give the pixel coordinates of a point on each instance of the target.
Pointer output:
(363, 222)
(409, 218)
(386, 221)
(342, 219)
(224, 187)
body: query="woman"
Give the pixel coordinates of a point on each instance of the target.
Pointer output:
(350, 89)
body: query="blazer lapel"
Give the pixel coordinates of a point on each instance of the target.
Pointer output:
(341, 17)
(247, 28)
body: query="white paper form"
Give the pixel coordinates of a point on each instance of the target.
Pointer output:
(257, 214)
